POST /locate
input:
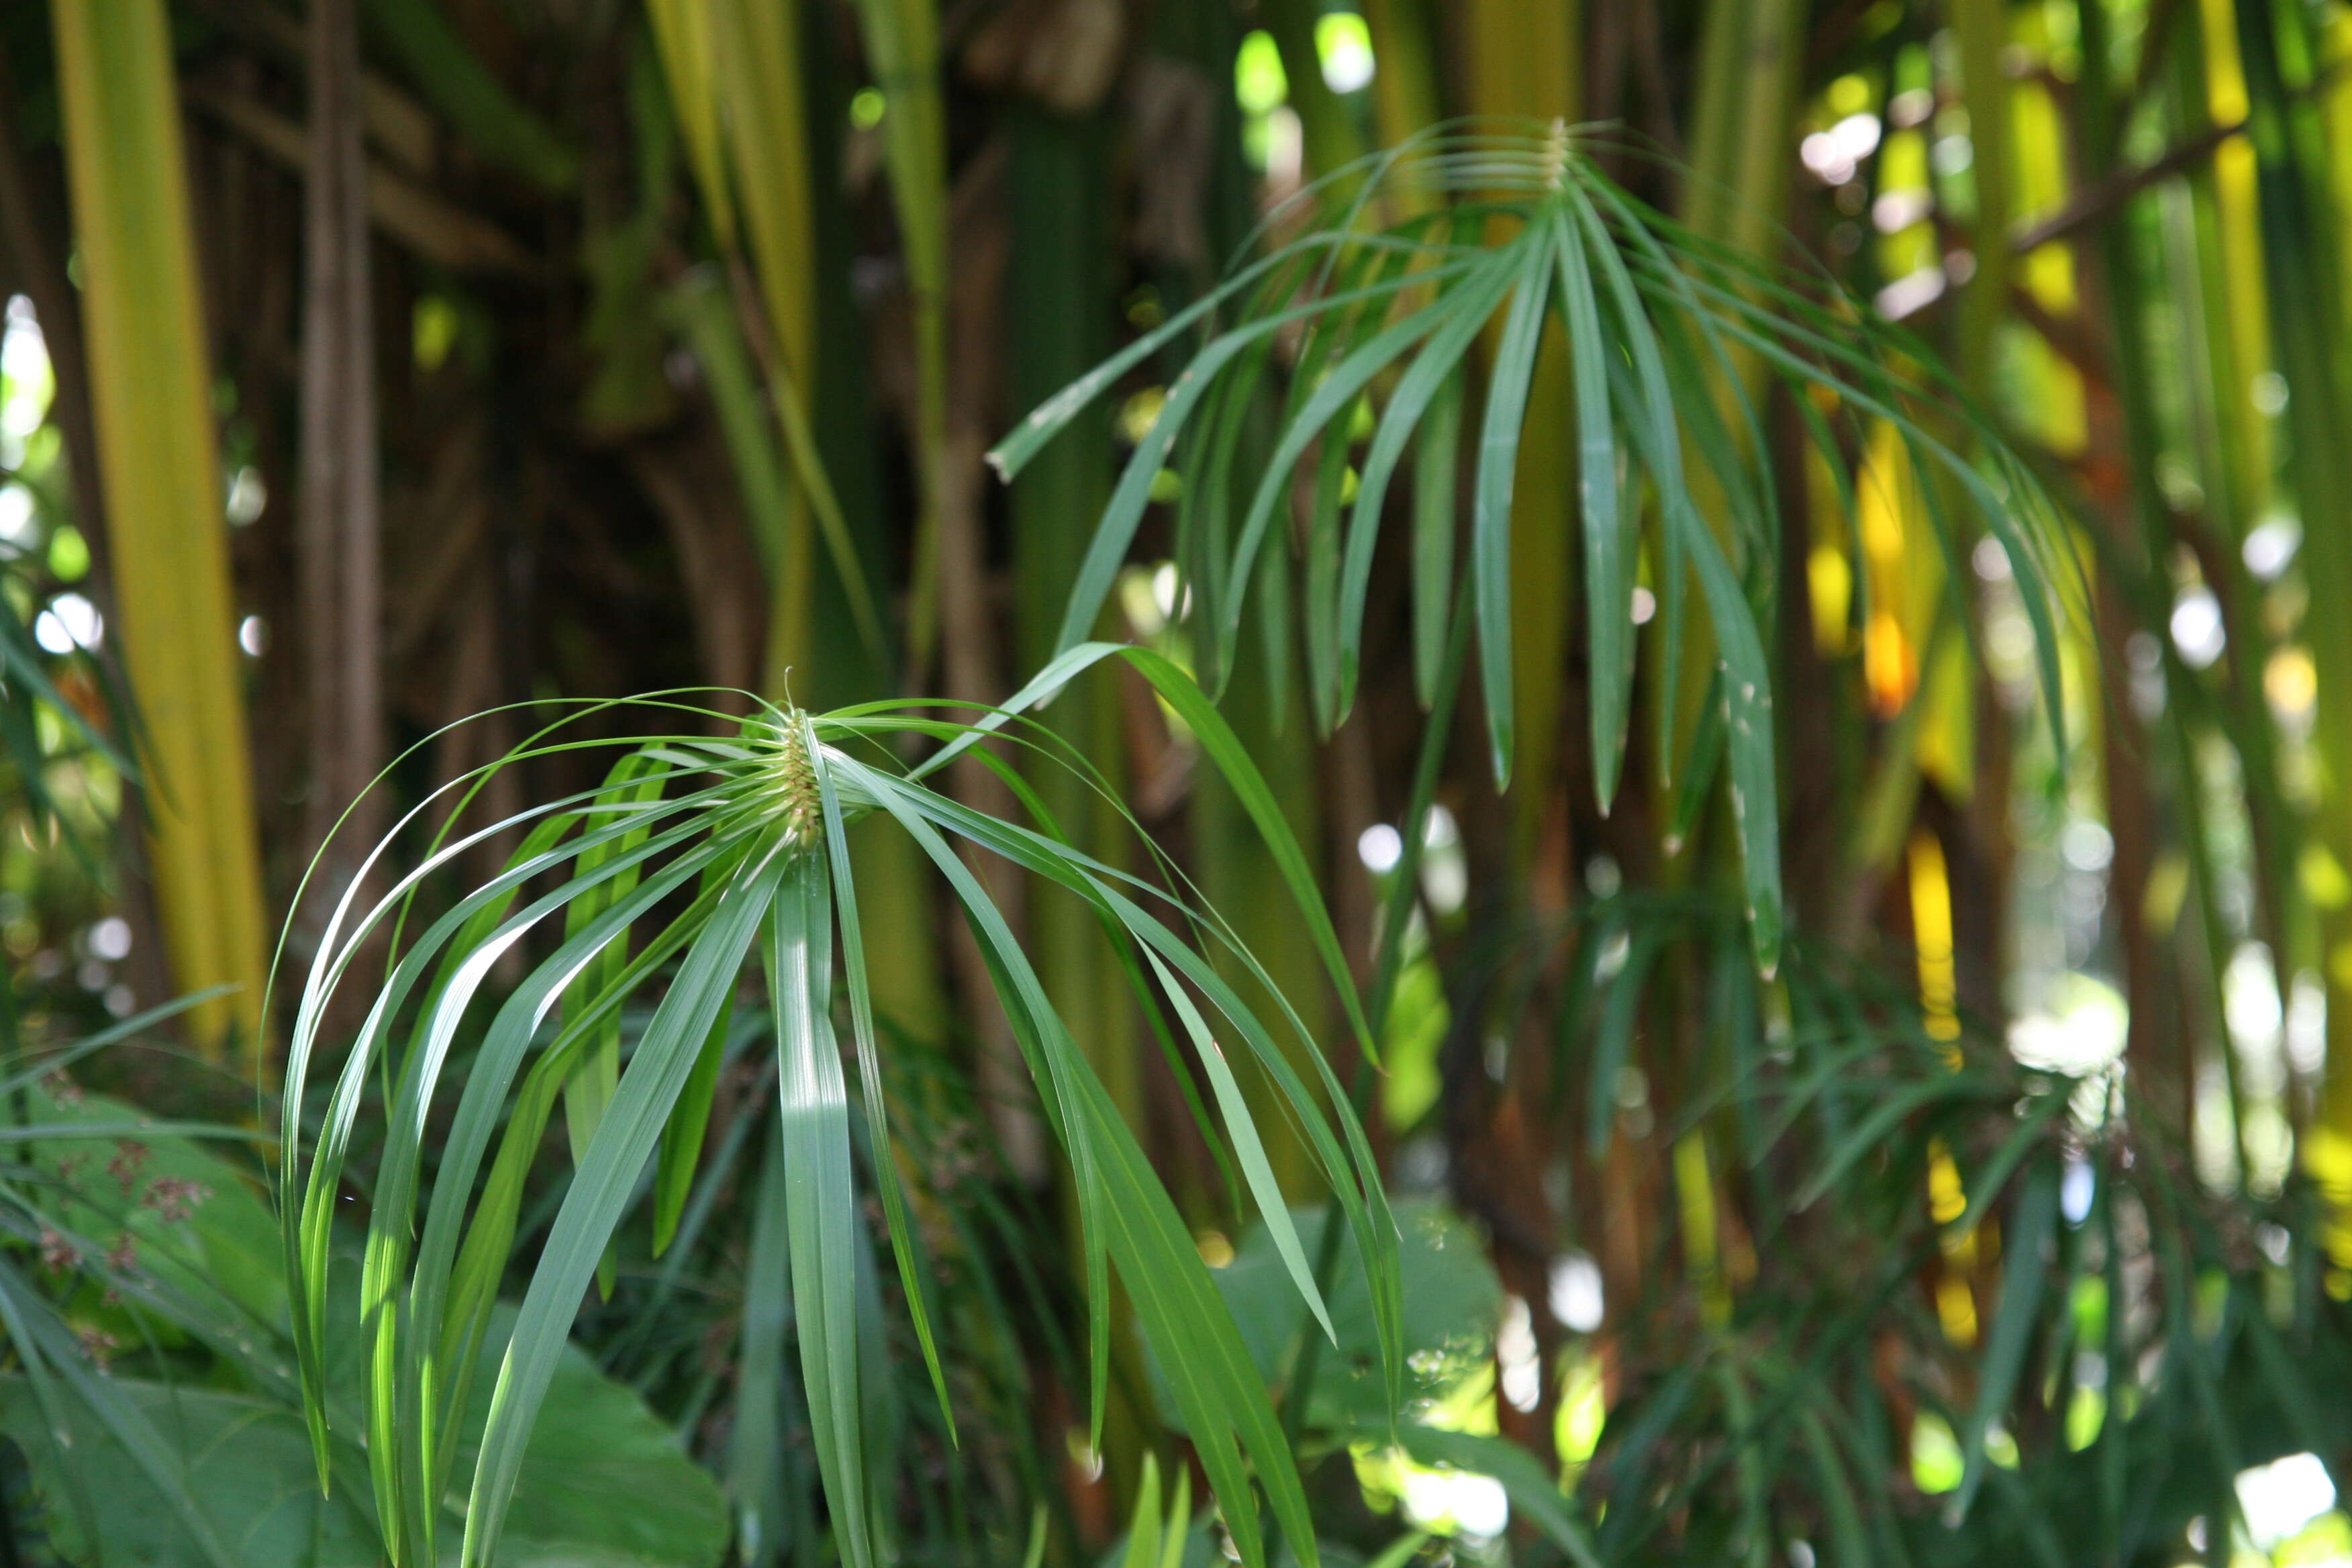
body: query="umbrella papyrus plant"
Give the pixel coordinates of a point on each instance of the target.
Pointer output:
(1673, 343)
(697, 860)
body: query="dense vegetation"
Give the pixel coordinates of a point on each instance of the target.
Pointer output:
(1289, 781)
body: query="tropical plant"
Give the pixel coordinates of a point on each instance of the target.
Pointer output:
(759, 825)
(748, 820)
(1664, 332)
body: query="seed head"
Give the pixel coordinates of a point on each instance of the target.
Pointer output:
(794, 773)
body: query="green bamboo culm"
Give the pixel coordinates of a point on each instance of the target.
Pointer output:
(149, 392)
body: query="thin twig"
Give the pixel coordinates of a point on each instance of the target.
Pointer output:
(2103, 198)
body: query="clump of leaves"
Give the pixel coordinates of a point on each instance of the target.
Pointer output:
(695, 857)
(1671, 341)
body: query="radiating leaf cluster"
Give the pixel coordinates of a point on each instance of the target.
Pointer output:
(696, 857)
(1672, 343)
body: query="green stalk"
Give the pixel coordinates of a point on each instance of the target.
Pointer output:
(690, 55)
(737, 84)
(1059, 306)
(1404, 85)
(2210, 226)
(2115, 257)
(1523, 63)
(1059, 312)
(1736, 193)
(2298, 254)
(700, 308)
(1739, 169)
(745, 59)
(902, 931)
(1982, 29)
(1266, 702)
(148, 386)
(902, 44)
(1331, 134)
(759, 72)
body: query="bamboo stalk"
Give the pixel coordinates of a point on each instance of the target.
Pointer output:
(1526, 63)
(339, 520)
(1405, 81)
(2301, 289)
(894, 880)
(902, 44)
(1983, 28)
(690, 55)
(1058, 308)
(1740, 162)
(2117, 269)
(1266, 702)
(149, 383)
(715, 53)
(1523, 63)
(758, 75)
(1328, 131)
(2228, 439)
(1059, 312)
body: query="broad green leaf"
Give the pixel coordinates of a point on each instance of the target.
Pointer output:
(603, 1484)
(1450, 1300)
(99, 1413)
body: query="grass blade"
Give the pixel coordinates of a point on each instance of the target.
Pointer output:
(1608, 568)
(813, 1107)
(755, 1442)
(1428, 397)
(1748, 689)
(1490, 517)
(1267, 1191)
(600, 1191)
(2013, 1320)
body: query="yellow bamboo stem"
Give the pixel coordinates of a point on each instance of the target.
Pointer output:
(155, 440)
